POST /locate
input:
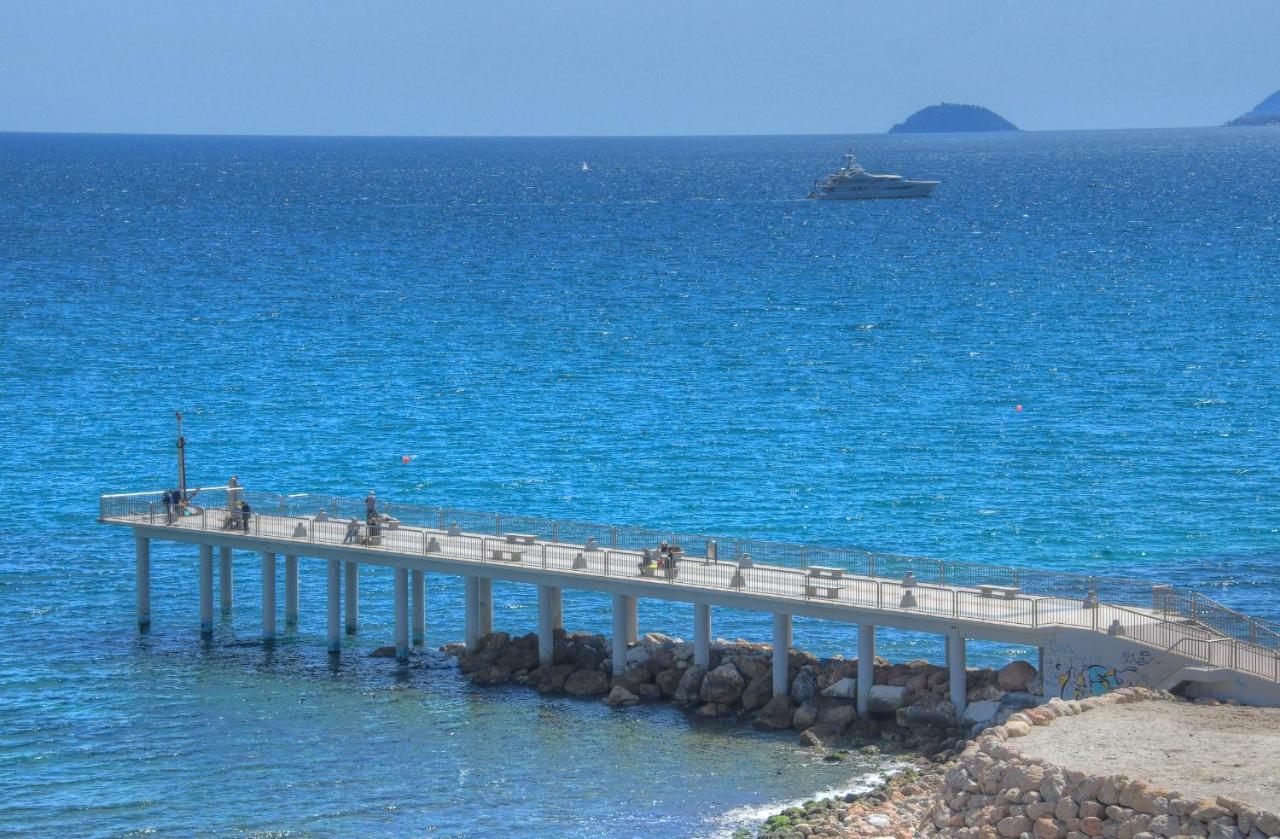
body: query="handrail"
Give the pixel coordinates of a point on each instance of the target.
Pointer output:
(1166, 603)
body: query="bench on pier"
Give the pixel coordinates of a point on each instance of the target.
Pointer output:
(520, 538)
(506, 555)
(822, 582)
(1007, 592)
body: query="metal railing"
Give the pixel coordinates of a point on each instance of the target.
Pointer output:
(1170, 618)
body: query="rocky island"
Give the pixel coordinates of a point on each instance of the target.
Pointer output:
(951, 117)
(1266, 113)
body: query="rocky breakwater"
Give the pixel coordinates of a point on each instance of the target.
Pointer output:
(908, 705)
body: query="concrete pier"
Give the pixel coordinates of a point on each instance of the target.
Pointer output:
(866, 665)
(471, 612)
(418, 592)
(225, 579)
(206, 591)
(548, 609)
(142, 551)
(290, 591)
(702, 634)
(402, 613)
(484, 605)
(955, 666)
(620, 609)
(781, 653)
(352, 595)
(268, 596)
(630, 619)
(333, 599)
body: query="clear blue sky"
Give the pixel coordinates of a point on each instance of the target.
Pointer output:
(639, 67)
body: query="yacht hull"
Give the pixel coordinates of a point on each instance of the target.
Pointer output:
(912, 189)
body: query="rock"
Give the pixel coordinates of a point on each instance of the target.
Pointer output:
(846, 688)
(1013, 826)
(752, 666)
(649, 691)
(757, 692)
(620, 696)
(805, 716)
(804, 686)
(776, 714)
(983, 712)
(1019, 701)
(931, 711)
(951, 117)
(834, 719)
(1017, 728)
(811, 740)
(690, 685)
(493, 674)
(637, 655)
(723, 685)
(551, 679)
(390, 652)
(661, 658)
(668, 681)
(886, 699)
(587, 683)
(1015, 676)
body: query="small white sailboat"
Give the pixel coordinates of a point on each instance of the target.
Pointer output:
(585, 167)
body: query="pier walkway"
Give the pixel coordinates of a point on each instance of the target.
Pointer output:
(1195, 639)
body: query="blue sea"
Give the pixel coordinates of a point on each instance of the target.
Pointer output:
(671, 337)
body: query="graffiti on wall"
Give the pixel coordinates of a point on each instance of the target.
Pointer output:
(1081, 679)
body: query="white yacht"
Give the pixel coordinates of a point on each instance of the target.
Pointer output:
(852, 181)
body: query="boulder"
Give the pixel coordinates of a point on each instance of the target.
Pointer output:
(810, 740)
(711, 709)
(493, 674)
(690, 685)
(1019, 701)
(661, 658)
(834, 719)
(493, 643)
(723, 686)
(518, 658)
(983, 712)
(668, 680)
(390, 652)
(804, 686)
(931, 711)
(846, 688)
(805, 716)
(620, 696)
(1015, 676)
(886, 699)
(776, 714)
(639, 654)
(550, 679)
(649, 691)
(752, 666)
(757, 692)
(587, 683)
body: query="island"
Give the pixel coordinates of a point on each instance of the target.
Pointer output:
(1267, 113)
(952, 117)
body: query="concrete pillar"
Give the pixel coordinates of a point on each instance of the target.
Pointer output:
(548, 601)
(206, 591)
(471, 611)
(484, 605)
(268, 596)
(352, 595)
(290, 591)
(866, 665)
(702, 634)
(333, 625)
(418, 591)
(142, 549)
(632, 613)
(402, 613)
(225, 581)
(955, 651)
(781, 651)
(557, 608)
(619, 634)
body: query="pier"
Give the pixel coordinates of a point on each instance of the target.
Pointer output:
(1143, 633)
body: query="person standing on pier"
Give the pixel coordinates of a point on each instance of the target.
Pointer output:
(245, 512)
(353, 532)
(371, 507)
(168, 506)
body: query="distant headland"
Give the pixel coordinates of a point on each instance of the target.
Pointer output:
(1267, 113)
(952, 117)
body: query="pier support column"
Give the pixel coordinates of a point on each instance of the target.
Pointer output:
(402, 613)
(418, 591)
(866, 665)
(631, 616)
(352, 595)
(781, 652)
(268, 596)
(955, 664)
(290, 591)
(484, 605)
(548, 611)
(206, 591)
(471, 612)
(620, 633)
(333, 625)
(225, 580)
(142, 548)
(702, 634)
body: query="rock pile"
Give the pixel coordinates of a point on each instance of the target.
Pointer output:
(908, 701)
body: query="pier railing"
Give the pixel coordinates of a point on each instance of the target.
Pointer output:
(1169, 617)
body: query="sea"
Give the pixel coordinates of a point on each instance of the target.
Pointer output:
(1068, 357)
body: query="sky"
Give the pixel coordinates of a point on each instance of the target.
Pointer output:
(600, 67)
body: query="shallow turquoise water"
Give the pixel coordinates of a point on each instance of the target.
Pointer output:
(670, 339)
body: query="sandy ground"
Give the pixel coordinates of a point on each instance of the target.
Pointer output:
(1196, 750)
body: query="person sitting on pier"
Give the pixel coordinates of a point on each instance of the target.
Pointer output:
(353, 532)
(245, 512)
(646, 561)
